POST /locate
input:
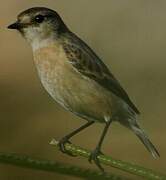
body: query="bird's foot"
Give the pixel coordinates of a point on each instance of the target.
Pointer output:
(94, 157)
(62, 148)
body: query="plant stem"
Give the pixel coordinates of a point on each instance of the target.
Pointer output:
(107, 160)
(56, 167)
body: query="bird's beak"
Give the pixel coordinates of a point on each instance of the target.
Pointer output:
(15, 25)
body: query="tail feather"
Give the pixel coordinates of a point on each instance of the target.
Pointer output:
(145, 140)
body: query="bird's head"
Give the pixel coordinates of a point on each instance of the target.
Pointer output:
(39, 23)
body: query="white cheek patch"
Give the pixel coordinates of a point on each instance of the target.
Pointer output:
(38, 36)
(31, 33)
(33, 36)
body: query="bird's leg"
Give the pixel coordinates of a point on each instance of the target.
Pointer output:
(97, 151)
(66, 138)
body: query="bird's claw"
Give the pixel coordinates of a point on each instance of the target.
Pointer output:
(62, 148)
(94, 157)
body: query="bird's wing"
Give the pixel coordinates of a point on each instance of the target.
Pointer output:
(84, 60)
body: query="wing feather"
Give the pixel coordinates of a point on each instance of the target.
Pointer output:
(84, 60)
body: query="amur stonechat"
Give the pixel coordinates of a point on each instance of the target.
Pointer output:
(76, 77)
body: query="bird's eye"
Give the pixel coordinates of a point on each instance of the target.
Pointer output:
(39, 18)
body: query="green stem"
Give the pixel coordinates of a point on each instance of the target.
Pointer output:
(107, 160)
(52, 166)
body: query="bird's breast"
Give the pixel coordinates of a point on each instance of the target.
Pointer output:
(51, 65)
(68, 87)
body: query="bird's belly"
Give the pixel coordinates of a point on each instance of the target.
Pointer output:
(76, 93)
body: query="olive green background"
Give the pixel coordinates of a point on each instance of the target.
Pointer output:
(130, 37)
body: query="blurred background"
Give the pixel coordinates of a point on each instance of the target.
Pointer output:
(130, 37)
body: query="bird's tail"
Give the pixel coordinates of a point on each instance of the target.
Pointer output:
(145, 140)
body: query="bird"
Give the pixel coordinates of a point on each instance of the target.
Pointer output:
(77, 79)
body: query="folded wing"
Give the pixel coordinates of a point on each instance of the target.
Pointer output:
(84, 60)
